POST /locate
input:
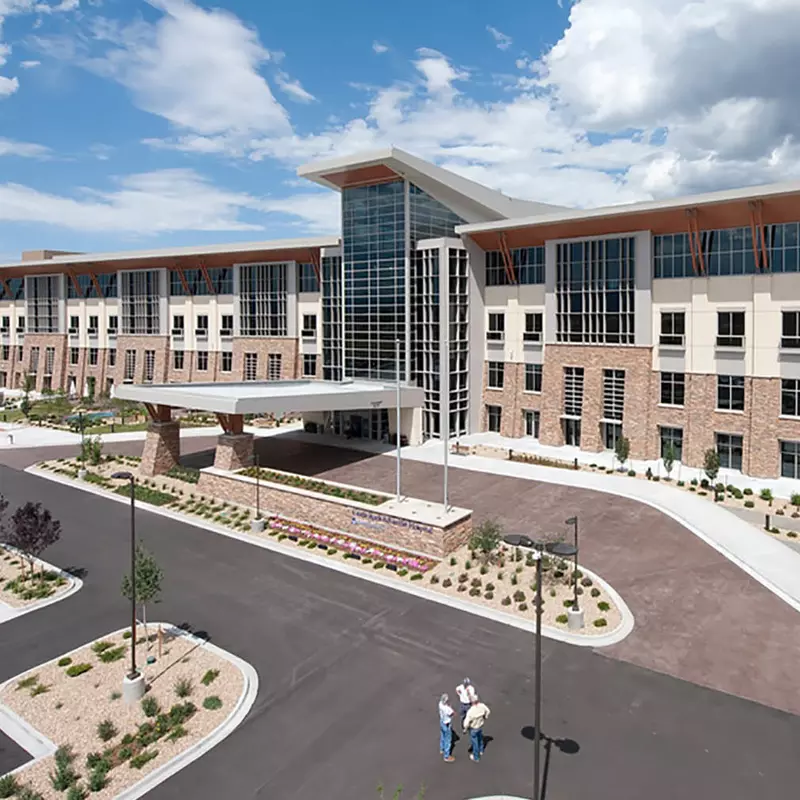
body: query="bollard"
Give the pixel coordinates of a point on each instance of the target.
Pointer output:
(576, 464)
(766, 522)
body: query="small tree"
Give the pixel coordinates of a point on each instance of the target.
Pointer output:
(33, 530)
(92, 450)
(622, 449)
(148, 581)
(669, 458)
(486, 538)
(711, 464)
(26, 404)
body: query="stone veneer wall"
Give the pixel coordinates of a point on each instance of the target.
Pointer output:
(287, 347)
(356, 519)
(162, 448)
(512, 399)
(141, 343)
(234, 451)
(43, 341)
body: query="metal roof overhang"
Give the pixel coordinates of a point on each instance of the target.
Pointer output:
(264, 397)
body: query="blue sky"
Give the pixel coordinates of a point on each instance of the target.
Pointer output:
(145, 123)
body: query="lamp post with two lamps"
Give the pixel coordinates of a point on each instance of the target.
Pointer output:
(574, 615)
(563, 550)
(133, 684)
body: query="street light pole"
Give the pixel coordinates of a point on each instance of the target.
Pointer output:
(574, 521)
(537, 732)
(397, 415)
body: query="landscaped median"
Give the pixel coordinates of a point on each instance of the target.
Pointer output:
(101, 747)
(23, 585)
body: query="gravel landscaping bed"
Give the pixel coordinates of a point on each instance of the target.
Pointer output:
(111, 745)
(18, 589)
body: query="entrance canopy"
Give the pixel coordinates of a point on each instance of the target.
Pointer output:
(277, 397)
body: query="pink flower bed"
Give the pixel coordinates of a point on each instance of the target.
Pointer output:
(363, 549)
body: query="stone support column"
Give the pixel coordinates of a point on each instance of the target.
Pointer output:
(162, 448)
(234, 451)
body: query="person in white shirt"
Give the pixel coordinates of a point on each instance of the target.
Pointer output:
(466, 694)
(446, 728)
(473, 724)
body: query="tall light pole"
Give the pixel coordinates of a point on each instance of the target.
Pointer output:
(445, 401)
(574, 521)
(397, 414)
(134, 678)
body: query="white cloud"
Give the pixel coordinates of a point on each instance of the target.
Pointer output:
(379, 48)
(438, 72)
(502, 40)
(317, 212)
(293, 88)
(146, 204)
(30, 64)
(8, 86)
(10, 147)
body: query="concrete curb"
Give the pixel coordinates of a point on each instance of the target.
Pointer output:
(30, 740)
(7, 612)
(599, 640)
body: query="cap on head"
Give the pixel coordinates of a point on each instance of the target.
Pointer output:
(444, 698)
(467, 681)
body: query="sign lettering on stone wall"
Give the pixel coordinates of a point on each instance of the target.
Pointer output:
(380, 521)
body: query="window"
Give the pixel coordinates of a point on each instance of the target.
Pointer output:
(573, 391)
(274, 366)
(34, 360)
(6, 352)
(730, 392)
(262, 299)
(527, 264)
(3, 380)
(178, 325)
(572, 432)
(139, 293)
(149, 366)
(790, 332)
(250, 366)
(332, 322)
(790, 397)
(595, 291)
(94, 354)
(112, 358)
(531, 419)
(226, 328)
(20, 324)
(309, 326)
(533, 378)
(497, 327)
(673, 328)
(42, 293)
(227, 362)
(496, 374)
(20, 349)
(533, 327)
(309, 365)
(494, 415)
(177, 359)
(202, 361)
(613, 394)
(674, 437)
(94, 324)
(729, 449)
(612, 432)
(790, 459)
(307, 278)
(49, 360)
(74, 355)
(730, 329)
(113, 324)
(673, 388)
(6, 324)
(202, 325)
(74, 324)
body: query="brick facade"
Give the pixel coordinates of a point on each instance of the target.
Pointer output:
(159, 344)
(356, 519)
(58, 341)
(162, 448)
(234, 451)
(512, 399)
(287, 348)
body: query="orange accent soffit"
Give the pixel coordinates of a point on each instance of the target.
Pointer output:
(6, 288)
(184, 282)
(695, 243)
(361, 176)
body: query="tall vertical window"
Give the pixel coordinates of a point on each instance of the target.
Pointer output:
(613, 406)
(202, 325)
(177, 359)
(6, 326)
(74, 324)
(250, 366)
(671, 437)
(531, 419)
(790, 397)
(332, 322)
(533, 377)
(20, 324)
(226, 364)
(41, 304)
(673, 328)
(178, 324)
(262, 299)
(274, 366)
(309, 365)
(496, 374)
(730, 392)
(149, 365)
(673, 388)
(49, 360)
(494, 418)
(595, 291)
(790, 330)
(112, 358)
(74, 356)
(307, 278)
(202, 361)
(573, 391)
(790, 459)
(730, 329)
(113, 323)
(93, 356)
(309, 330)
(729, 449)
(496, 330)
(94, 324)
(226, 326)
(129, 366)
(34, 360)
(139, 293)
(533, 327)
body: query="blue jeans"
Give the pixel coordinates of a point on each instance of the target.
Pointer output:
(445, 739)
(476, 737)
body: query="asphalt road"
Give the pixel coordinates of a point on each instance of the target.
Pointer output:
(350, 674)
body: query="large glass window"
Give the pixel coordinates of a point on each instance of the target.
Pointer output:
(16, 289)
(262, 299)
(613, 394)
(729, 449)
(250, 366)
(149, 366)
(202, 360)
(221, 279)
(790, 330)
(673, 388)
(790, 397)
(497, 327)
(494, 415)
(42, 303)
(533, 327)
(673, 328)
(307, 278)
(496, 374)
(226, 364)
(790, 459)
(730, 392)
(140, 301)
(595, 291)
(274, 366)
(309, 365)
(672, 437)
(573, 391)
(528, 265)
(332, 330)
(531, 419)
(533, 377)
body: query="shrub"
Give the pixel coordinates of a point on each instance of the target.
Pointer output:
(795, 499)
(552, 593)
(212, 703)
(681, 483)
(77, 792)
(28, 683)
(150, 706)
(64, 662)
(138, 761)
(124, 753)
(462, 587)
(766, 495)
(115, 654)
(791, 534)
(603, 606)
(749, 504)
(631, 474)
(595, 592)
(467, 564)
(77, 669)
(40, 688)
(702, 494)
(506, 601)
(692, 489)
(183, 687)
(656, 477)
(500, 575)
(600, 623)
(115, 695)
(586, 581)
(434, 579)
(568, 602)
(106, 730)
(417, 576)
(484, 569)
(126, 635)
(447, 583)
(178, 732)
(522, 607)
(562, 618)
(402, 572)
(453, 561)
(737, 493)
(210, 676)
(720, 488)
(780, 512)
(489, 596)
(101, 647)
(378, 565)
(474, 592)
(463, 577)
(519, 596)
(486, 538)
(475, 582)
(64, 775)
(489, 587)
(26, 793)
(332, 551)
(514, 580)
(181, 712)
